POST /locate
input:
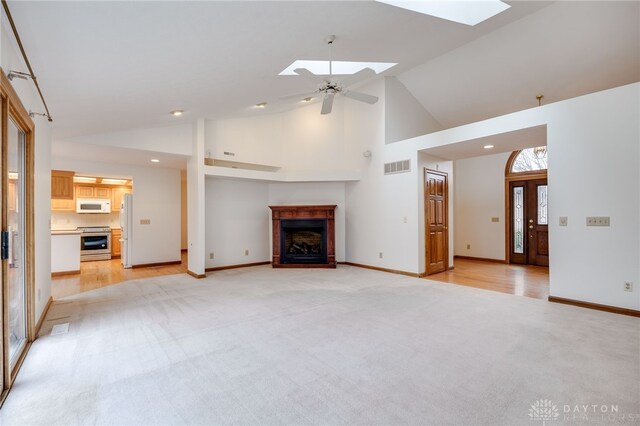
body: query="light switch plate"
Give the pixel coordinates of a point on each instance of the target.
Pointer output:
(495, 219)
(563, 221)
(145, 221)
(598, 221)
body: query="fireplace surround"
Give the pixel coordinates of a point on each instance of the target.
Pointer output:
(303, 236)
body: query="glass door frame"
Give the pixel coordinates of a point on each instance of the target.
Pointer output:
(11, 108)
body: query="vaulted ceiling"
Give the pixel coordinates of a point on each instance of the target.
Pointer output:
(107, 66)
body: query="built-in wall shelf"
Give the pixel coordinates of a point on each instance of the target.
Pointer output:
(240, 165)
(282, 176)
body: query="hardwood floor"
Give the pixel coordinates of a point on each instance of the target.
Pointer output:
(104, 273)
(521, 280)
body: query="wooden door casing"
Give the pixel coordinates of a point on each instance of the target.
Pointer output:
(436, 221)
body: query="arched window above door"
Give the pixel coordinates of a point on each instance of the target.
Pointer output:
(528, 160)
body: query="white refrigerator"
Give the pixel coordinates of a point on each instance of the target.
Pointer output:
(126, 224)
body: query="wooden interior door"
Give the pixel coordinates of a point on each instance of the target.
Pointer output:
(436, 221)
(529, 239)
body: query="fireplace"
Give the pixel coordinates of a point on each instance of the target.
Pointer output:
(303, 236)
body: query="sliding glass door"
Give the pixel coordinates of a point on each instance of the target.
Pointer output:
(15, 244)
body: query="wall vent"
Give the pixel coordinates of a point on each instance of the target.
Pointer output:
(397, 167)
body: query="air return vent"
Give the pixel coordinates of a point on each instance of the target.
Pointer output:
(397, 167)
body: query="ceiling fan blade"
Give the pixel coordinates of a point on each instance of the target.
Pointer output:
(362, 97)
(300, 95)
(363, 74)
(327, 103)
(309, 75)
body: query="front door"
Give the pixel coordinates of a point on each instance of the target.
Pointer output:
(529, 239)
(436, 216)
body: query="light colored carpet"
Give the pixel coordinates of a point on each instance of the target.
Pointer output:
(345, 346)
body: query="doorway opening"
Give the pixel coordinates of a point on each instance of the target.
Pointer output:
(527, 219)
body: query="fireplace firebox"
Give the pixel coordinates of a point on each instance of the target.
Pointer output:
(303, 236)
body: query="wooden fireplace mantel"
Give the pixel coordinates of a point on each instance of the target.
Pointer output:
(326, 212)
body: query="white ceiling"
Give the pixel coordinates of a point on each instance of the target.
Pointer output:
(106, 66)
(115, 155)
(567, 49)
(503, 142)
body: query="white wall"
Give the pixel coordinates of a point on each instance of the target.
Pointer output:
(10, 59)
(184, 235)
(237, 219)
(426, 161)
(313, 193)
(377, 205)
(405, 117)
(593, 145)
(196, 201)
(156, 197)
(297, 140)
(479, 196)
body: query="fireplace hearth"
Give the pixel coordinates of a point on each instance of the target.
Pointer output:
(303, 236)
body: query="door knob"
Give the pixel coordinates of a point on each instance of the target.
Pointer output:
(530, 220)
(530, 226)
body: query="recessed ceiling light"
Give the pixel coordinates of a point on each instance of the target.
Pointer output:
(155, 160)
(307, 99)
(261, 105)
(177, 112)
(461, 11)
(488, 146)
(338, 67)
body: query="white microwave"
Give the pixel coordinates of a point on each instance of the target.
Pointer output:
(92, 205)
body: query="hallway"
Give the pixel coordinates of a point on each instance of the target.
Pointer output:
(520, 280)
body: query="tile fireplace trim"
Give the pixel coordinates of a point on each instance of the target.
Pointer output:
(326, 212)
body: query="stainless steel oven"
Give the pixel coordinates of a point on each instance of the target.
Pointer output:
(95, 243)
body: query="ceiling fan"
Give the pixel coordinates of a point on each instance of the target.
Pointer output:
(329, 87)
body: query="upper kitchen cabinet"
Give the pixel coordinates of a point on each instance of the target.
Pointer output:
(116, 197)
(253, 141)
(85, 191)
(62, 185)
(101, 192)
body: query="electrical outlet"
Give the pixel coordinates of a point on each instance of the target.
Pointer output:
(404, 219)
(210, 255)
(563, 221)
(145, 221)
(468, 246)
(628, 286)
(246, 252)
(598, 221)
(495, 219)
(380, 255)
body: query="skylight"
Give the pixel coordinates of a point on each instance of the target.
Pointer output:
(469, 12)
(339, 67)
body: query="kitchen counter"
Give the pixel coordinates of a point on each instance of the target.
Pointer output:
(65, 232)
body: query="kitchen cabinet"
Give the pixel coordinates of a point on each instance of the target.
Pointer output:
(62, 185)
(116, 197)
(84, 191)
(65, 252)
(116, 248)
(63, 205)
(101, 192)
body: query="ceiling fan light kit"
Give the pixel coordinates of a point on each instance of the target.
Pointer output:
(328, 87)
